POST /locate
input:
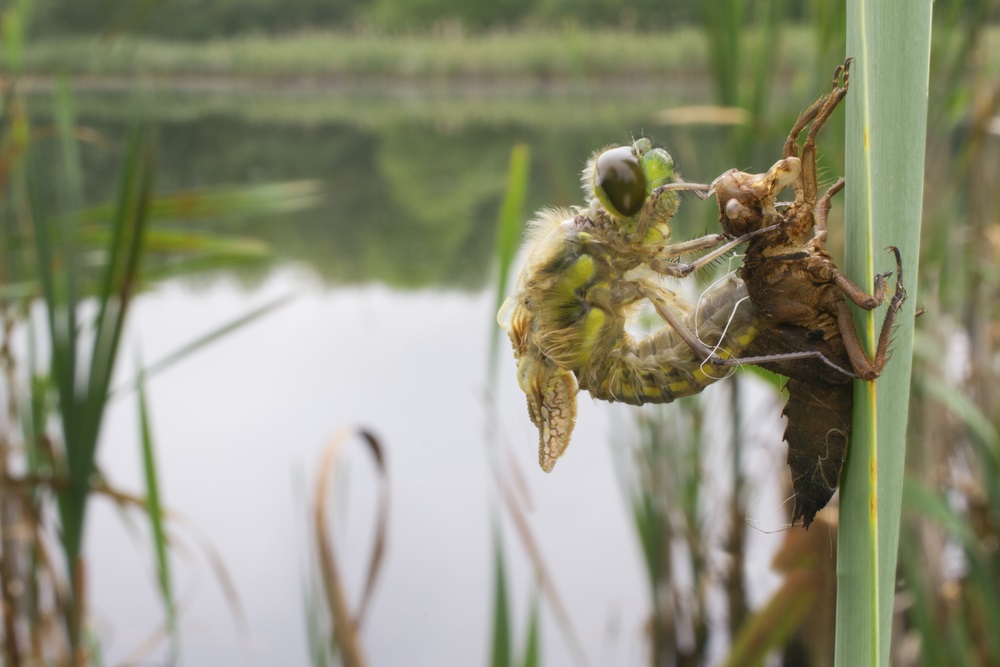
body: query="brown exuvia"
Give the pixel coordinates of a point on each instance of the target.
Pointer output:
(807, 330)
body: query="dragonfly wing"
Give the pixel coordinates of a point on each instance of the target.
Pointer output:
(551, 393)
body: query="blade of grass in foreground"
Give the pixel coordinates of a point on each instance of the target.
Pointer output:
(87, 400)
(886, 127)
(203, 341)
(509, 224)
(502, 645)
(83, 387)
(533, 644)
(154, 510)
(229, 202)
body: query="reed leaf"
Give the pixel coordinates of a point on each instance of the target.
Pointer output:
(502, 643)
(886, 127)
(723, 22)
(510, 221)
(982, 577)
(81, 377)
(208, 338)
(12, 28)
(154, 510)
(230, 202)
(533, 644)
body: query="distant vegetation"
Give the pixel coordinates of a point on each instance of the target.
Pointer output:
(570, 52)
(565, 53)
(204, 19)
(199, 19)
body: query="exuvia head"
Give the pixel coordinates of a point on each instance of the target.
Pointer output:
(745, 199)
(622, 177)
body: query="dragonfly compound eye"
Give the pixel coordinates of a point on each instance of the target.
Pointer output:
(619, 182)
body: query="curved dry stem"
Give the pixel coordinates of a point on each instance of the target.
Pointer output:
(347, 626)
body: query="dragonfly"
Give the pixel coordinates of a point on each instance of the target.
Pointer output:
(806, 329)
(588, 269)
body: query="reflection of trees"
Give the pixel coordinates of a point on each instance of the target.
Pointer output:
(197, 19)
(405, 203)
(448, 185)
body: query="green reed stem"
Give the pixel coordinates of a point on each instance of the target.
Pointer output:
(886, 128)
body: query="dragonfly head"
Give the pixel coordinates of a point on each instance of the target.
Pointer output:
(621, 178)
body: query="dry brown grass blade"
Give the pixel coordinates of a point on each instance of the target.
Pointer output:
(346, 627)
(515, 509)
(802, 610)
(140, 655)
(126, 500)
(46, 639)
(143, 653)
(47, 635)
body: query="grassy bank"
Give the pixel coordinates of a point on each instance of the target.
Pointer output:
(533, 57)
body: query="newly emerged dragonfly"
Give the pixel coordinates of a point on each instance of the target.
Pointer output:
(806, 328)
(585, 272)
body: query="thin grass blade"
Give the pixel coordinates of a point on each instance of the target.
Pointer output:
(509, 224)
(53, 273)
(723, 22)
(771, 626)
(969, 413)
(57, 270)
(533, 645)
(768, 22)
(154, 510)
(120, 281)
(187, 241)
(502, 643)
(923, 502)
(204, 341)
(513, 503)
(229, 202)
(122, 278)
(72, 177)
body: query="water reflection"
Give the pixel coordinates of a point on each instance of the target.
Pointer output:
(240, 429)
(410, 200)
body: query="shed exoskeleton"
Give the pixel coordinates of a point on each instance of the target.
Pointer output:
(806, 328)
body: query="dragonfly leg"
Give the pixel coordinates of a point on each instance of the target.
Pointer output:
(823, 210)
(869, 369)
(663, 266)
(666, 310)
(830, 102)
(872, 301)
(788, 356)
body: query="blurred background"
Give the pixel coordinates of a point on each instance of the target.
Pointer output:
(252, 254)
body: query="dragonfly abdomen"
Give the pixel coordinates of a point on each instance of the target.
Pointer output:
(662, 367)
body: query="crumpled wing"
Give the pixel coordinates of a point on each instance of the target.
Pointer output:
(551, 389)
(551, 393)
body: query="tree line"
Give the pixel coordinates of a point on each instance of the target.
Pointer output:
(201, 19)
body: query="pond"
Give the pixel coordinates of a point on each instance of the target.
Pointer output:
(390, 330)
